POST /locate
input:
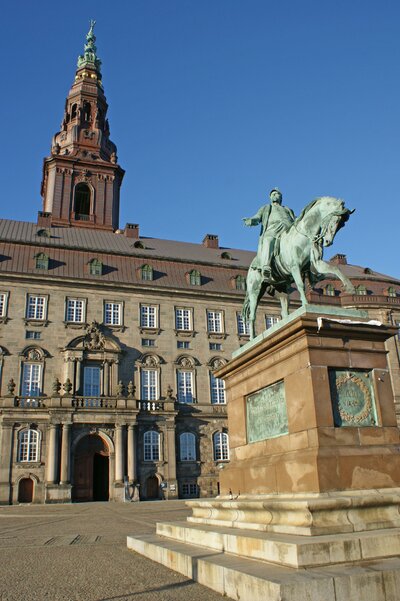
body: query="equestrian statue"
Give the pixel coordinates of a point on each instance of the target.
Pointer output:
(291, 249)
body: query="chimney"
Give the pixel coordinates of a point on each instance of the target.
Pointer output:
(44, 219)
(211, 241)
(339, 259)
(132, 230)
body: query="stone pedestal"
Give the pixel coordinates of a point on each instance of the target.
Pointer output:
(310, 500)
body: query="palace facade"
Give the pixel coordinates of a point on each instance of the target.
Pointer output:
(109, 340)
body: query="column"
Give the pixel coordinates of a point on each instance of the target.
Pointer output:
(65, 453)
(131, 453)
(52, 453)
(119, 458)
(78, 377)
(171, 452)
(106, 378)
(7, 458)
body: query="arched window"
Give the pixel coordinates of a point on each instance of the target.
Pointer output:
(42, 261)
(240, 282)
(329, 290)
(360, 290)
(86, 111)
(187, 447)
(28, 445)
(221, 446)
(226, 255)
(151, 446)
(95, 267)
(82, 201)
(194, 277)
(217, 388)
(74, 111)
(146, 272)
(391, 291)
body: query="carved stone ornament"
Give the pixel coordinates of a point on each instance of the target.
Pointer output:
(56, 386)
(34, 355)
(131, 389)
(151, 361)
(11, 386)
(67, 386)
(94, 339)
(217, 362)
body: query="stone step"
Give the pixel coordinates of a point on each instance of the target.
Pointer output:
(252, 580)
(287, 549)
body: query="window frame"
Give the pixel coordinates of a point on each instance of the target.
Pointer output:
(217, 390)
(180, 320)
(30, 445)
(147, 388)
(212, 321)
(187, 451)
(27, 390)
(243, 325)
(147, 273)
(149, 447)
(274, 320)
(221, 446)
(74, 299)
(4, 305)
(144, 317)
(33, 318)
(185, 394)
(113, 304)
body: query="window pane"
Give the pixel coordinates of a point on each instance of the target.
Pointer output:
(217, 390)
(243, 327)
(214, 321)
(221, 448)
(271, 320)
(187, 446)
(149, 384)
(183, 319)
(28, 448)
(148, 316)
(36, 307)
(185, 386)
(91, 381)
(75, 310)
(31, 379)
(112, 314)
(2, 305)
(151, 446)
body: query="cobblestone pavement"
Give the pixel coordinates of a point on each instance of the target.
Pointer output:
(78, 553)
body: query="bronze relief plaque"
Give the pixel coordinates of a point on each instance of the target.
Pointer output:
(266, 413)
(352, 397)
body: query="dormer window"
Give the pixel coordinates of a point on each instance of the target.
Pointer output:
(329, 290)
(146, 272)
(361, 290)
(195, 278)
(41, 261)
(391, 291)
(95, 267)
(82, 201)
(240, 282)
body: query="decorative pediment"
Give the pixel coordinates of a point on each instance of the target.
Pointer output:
(186, 362)
(34, 353)
(150, 360)
(217, 362)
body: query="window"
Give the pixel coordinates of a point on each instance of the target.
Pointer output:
(32, 335)
(31, 379)
(112, 314)
(148, 316)
(240, 282)
(146, 272)
(271, 320)
(215, 346)
(151, 444)
(91, 381)
(226, 255)
(214, 322)
(189, 489)
(243, 327)
(41, 261)
(360, 290)
(3, 304)
(148, 342)
(185, 386)
(183, 344)
(75, 311)
(221, 446)
(95, 267)
(391, 291)
(82, 201)
(194, 277)
(217, 387)
(28, 445)
(329, 290)
(183, 319)
(36, 307)
(149, 384)
(187, 447)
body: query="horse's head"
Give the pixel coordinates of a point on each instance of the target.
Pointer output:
(334, 220)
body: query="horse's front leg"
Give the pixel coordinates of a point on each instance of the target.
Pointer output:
(298, 280)
(327, 268)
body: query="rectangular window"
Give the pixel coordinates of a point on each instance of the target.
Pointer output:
(214, 322)
(215, 346)
(32, 335)
(36, 308)
(149, 385)
(75, 310)
(217, 387)
(183, 344)
(185, 386)
(28, 448)
(148, 316)
(91, 381)
(271, 320)
(243, 327)
(183, 319)
(3, 304)
(148, 342)
(189, 489)
(31, 379)
(113, 314)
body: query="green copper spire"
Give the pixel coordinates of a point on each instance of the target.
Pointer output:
(89, 58)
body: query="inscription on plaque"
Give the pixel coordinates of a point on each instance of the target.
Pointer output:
(266, 413)
(352, 397)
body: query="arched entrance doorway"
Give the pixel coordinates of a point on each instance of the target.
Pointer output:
(91, 469)
(25, 490)
(152, 488)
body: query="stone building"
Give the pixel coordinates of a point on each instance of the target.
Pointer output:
(109, 340)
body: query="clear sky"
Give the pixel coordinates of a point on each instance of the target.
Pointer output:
(213, 103)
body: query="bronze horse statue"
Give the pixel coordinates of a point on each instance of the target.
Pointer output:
(298, 254)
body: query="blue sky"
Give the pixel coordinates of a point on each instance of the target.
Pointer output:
(213, 103)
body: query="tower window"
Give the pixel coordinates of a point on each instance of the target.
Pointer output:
(82, 201)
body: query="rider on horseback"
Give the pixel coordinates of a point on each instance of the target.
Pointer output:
(275, 219)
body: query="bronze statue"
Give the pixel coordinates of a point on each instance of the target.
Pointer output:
(291, 250)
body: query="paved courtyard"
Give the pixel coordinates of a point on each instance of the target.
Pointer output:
(78, 553)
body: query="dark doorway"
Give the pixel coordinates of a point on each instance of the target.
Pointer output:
(100, 477)
(152, 488)
(25, 490)
(91, 469)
